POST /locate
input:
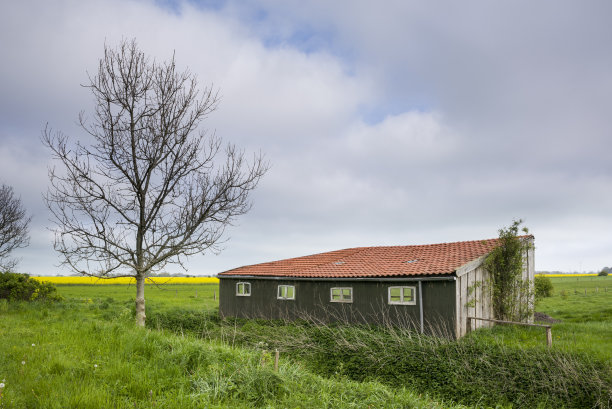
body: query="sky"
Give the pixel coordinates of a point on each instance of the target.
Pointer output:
(385, 123)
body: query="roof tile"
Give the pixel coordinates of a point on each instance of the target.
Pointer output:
(384, 261)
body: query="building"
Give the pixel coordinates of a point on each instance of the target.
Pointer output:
(433, 288)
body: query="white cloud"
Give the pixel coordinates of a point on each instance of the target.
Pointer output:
(402, 123)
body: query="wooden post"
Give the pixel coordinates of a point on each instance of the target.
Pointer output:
(468, 325)
(276, 355)
(214, 295)
(549, 336)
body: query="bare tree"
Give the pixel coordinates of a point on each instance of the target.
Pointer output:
(152, 188)
(14, 224)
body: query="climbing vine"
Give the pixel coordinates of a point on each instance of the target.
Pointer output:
(511, 294)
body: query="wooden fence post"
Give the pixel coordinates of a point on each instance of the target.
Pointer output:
(549, 336)
(276, 356)
(468, 325)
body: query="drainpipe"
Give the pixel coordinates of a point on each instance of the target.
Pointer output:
(421, 306)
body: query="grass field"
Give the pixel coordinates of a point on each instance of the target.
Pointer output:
(586, 318)
(190, 296)
(61, 280)
(86, 353)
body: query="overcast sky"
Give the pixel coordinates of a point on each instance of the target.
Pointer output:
(386, 123)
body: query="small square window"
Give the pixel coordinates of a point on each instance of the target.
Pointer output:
(243, 289)
(341, 294)
(286, 292)
(402, 295)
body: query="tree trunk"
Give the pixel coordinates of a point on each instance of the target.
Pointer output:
(140, 300)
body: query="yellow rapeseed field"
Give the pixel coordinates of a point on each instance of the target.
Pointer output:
(567, 275)
(127, 280)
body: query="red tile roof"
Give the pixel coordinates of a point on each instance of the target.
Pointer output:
(387, 261)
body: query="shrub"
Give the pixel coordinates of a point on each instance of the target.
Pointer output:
(511, 294)
(20, 287)
(469, 371)
(543, 287)
(603, 273)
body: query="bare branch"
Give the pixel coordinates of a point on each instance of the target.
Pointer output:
(152, 188)
(14, 224)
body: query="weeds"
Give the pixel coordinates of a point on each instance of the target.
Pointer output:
(472, 370)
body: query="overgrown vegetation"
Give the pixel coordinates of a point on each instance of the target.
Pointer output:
(511, 294)
(196, 359)
(62, 355)
(14, 287)
(468, 371)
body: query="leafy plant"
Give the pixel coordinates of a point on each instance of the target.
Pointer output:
(543, 287)
(512, 294)
(14, 287)
(603, 273)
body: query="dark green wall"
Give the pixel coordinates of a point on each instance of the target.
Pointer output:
(369, 303)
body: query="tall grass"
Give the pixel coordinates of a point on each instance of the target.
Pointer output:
(74, 359)
(471, 371)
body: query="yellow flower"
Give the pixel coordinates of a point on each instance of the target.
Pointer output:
(126, 280)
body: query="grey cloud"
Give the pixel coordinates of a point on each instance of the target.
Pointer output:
(483, 112)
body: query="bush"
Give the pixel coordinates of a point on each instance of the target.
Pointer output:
(468, 371)
(20, 287)
(543, 287)
(603, 273)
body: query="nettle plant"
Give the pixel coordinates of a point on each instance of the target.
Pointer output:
(511, 293)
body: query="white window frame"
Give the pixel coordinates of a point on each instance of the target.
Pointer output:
(402, 301)
(282, 291)
(342, 297)
(245, 285)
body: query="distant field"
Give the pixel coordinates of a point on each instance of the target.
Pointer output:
(191, 296)
(568, 275)
(127, 280)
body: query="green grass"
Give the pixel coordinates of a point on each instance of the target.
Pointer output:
(570, 303)
(75, 358)
(148, 368)
(190, 296)
(586, 320)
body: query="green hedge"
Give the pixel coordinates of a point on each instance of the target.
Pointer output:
(469, 371)
(20, 287)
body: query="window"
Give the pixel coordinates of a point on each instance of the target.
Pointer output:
(402, 295)
(243, 289)
(341, 294)
(286, 292)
